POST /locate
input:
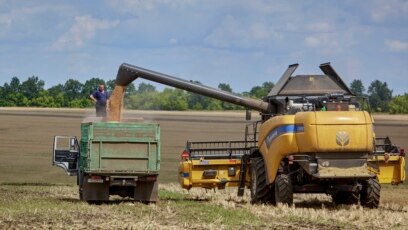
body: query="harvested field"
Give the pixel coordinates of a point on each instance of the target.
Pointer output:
(29, 206)
(34, 194)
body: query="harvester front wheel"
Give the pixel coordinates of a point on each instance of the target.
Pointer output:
(260, 192)
(283, 189)
(370, 195)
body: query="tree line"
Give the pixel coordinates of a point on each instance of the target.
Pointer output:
(380, 97)
(75, 94)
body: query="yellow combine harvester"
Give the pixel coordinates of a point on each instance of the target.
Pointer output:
(314, 137)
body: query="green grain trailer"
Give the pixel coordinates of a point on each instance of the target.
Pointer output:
(112, 158)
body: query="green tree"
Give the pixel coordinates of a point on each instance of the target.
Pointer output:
(357, 87)
(17, 99)
(32, 87)
(215, 105)
(72, 91)
(261, 91)
(110, 85)
(399, 104)
(173, 99)
(225, 105)
(197, 101)
(146, 101)
(11, 95)
(224, 86)
(130, 89)
(379, 95)
(91, 86)
(56, 90)
(15, 85)
(145, 87)
(46, 100)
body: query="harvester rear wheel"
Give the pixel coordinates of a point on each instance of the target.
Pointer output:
(260, 192)
(345, 198)
(370, 195)
(283, 189)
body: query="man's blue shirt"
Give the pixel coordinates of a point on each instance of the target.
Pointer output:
(101, 97)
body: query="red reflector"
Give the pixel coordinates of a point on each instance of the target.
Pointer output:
(96, 177)
(151, 178)
(232, 161)
(184, 155)
(402, 152)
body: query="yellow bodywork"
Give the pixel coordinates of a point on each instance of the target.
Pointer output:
(391, 171)
(319, 134)
(191, 173)
(341, 132)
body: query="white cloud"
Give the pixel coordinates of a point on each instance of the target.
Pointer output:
(23, 17)
(173, 41)
(396, 46)
(331, 42)
(322, 40)
(19, 14)
(84, 29)
(141, 6)
(384, 10)
(320, 26)
(232, 32)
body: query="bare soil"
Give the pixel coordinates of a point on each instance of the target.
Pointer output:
(26, 136)
(34, 194)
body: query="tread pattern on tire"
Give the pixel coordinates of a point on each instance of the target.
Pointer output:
(370, 196)
(283, 189)
(260, 192)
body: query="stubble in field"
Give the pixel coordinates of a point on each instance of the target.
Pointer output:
(28, 206)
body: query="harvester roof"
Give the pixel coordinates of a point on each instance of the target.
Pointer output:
(310, 85)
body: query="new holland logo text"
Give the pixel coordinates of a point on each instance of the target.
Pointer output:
(342, 138)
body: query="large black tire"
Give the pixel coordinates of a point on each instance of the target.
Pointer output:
(260, 192)
(80, 181)
(345, 198)
(81, 194)
(283, 189)
(370, 195)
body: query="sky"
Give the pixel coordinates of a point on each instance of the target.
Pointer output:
(239, 42)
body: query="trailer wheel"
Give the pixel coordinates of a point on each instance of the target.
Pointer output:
(80, 179)
(345, 198)
(260, 192)
(370, 195)
(283, 189)
(81, 194)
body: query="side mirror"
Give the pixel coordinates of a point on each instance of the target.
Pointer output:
(248, 115)
(72, 144)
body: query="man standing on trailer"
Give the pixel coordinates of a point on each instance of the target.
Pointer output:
(101, 99)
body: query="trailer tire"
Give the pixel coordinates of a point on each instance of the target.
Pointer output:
(260, 192)
(348, 198)
(80, 178)
(283, 189)
(81, 194)
(370, 195)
